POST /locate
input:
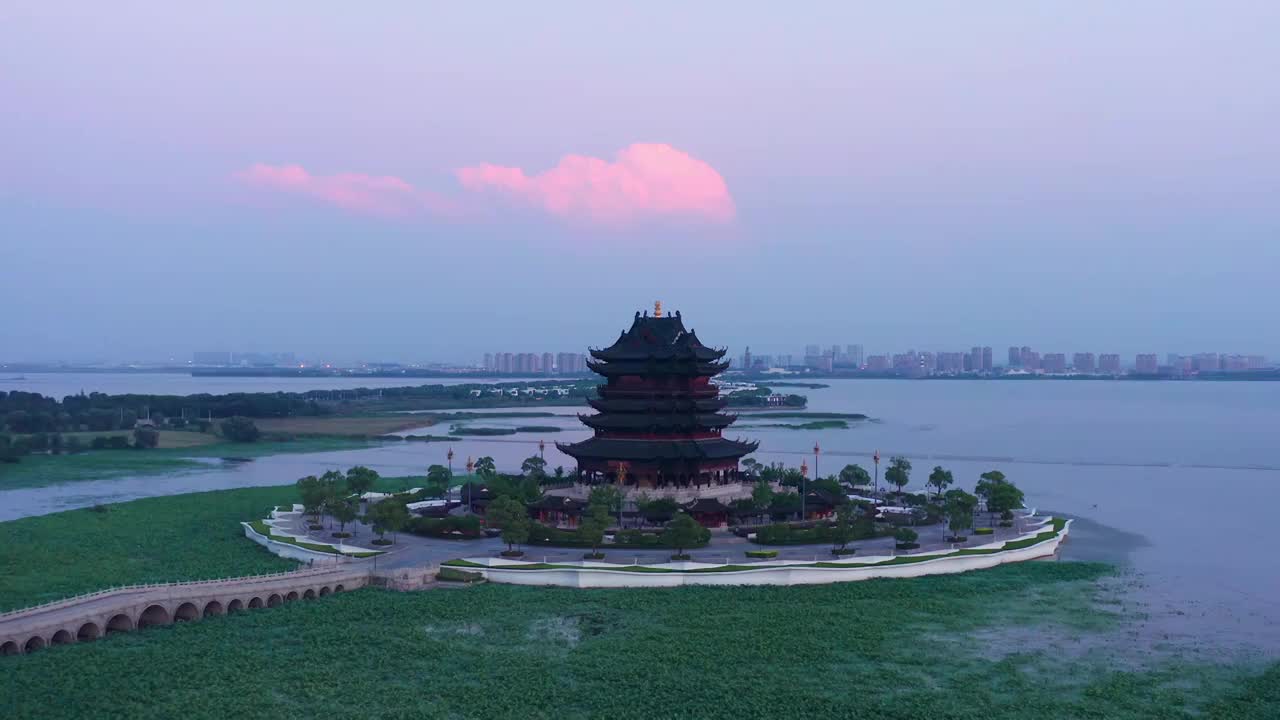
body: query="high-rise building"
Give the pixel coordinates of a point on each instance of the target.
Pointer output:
(1146, 364)
(1015, 357)
(548, 363)
(975, 359)
(1205, 362)
(855, 355)
(987, 363)
(488, 361)
(1109, 363)
(746, 359)
(1029, 360)
(1054, 363)
(1083, 362)
(877, 363)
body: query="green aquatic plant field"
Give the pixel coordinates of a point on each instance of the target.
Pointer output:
(950, 647)
(178, 537)
(43, 470)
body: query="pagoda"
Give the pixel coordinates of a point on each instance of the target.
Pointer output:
(658, 423)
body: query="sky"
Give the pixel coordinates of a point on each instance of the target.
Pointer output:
(431, 181)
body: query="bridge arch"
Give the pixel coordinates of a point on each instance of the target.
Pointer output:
(293, 595)
(235, 605)
(186, 612)
(154, 615)
(274, 600)
(325, 591)
(62, 637)
(339, 589)
(88, 631)
(310, 594)
(35, 643)
(255, 603)
(213, 607)
(9, 648)
(119, 623)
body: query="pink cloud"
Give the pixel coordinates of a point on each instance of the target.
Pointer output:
(646, 180)
(381, 195)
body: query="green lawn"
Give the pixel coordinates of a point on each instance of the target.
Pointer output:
(42, 470)
(941, 648)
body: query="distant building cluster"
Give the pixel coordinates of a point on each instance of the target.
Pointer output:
(979, 360)
(221, 358)
(546, 363)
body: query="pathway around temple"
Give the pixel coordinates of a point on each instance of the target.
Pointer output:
(411, 551)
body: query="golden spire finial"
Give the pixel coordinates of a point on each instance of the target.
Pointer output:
(657, 308)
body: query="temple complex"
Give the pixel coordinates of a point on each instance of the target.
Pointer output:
(659, 426)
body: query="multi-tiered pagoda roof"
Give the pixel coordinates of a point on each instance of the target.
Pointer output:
(659, 418)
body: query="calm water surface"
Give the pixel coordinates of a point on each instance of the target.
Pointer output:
(1178, 482)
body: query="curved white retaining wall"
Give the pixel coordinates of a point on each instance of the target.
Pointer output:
(293, 552)
(599, 575)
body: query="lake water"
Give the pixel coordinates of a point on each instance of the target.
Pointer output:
(1177, 481)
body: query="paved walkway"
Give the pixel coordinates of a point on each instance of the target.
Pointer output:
(416, 552)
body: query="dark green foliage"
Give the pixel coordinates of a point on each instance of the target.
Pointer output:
(510, 515)
(240, 429)
(462, 527)
(764, 554)
(906, 538)
(684, 532)
(860, 528)
(146, 437)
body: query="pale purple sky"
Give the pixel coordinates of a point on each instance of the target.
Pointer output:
(427, 180)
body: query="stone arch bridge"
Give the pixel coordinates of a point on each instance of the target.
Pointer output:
(89, 617)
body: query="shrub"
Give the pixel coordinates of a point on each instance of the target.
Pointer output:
(512, 553)
(956, 538)
(240, 429)
(1005, 523)
(593, 556)
(839, 552)
(907, 546)
(342, 534)
(315, 526)
(685, 556)
(762, 553)
(454, 526)
(906, 538)
(983, 531)
(382, 541)
(452, 574)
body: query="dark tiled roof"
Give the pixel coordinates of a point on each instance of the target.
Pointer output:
(656, 450)
(659, 338)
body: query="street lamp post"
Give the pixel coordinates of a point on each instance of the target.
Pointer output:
(470, 468)
(542, 447)
(876, 459)
(804, 476)
(449, 457)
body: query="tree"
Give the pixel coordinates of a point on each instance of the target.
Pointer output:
(438, 481)
(762, 494)
(313, 494)
(510, 515)
(485, 468)
(344, 511)
(609, 496)
(389, 515)
(360, 480)
(842, 531)
(559, 473)
(594, 523)
(682, 532)
(1004, 498)
(855, 474)
(534, 466)
(898, 473)
(986, 482)
(240, 429)
(792, 477)
(145, 437)
(751, 468)
(958, 506)
(906, 538)
(334, 486)
(939, 479)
